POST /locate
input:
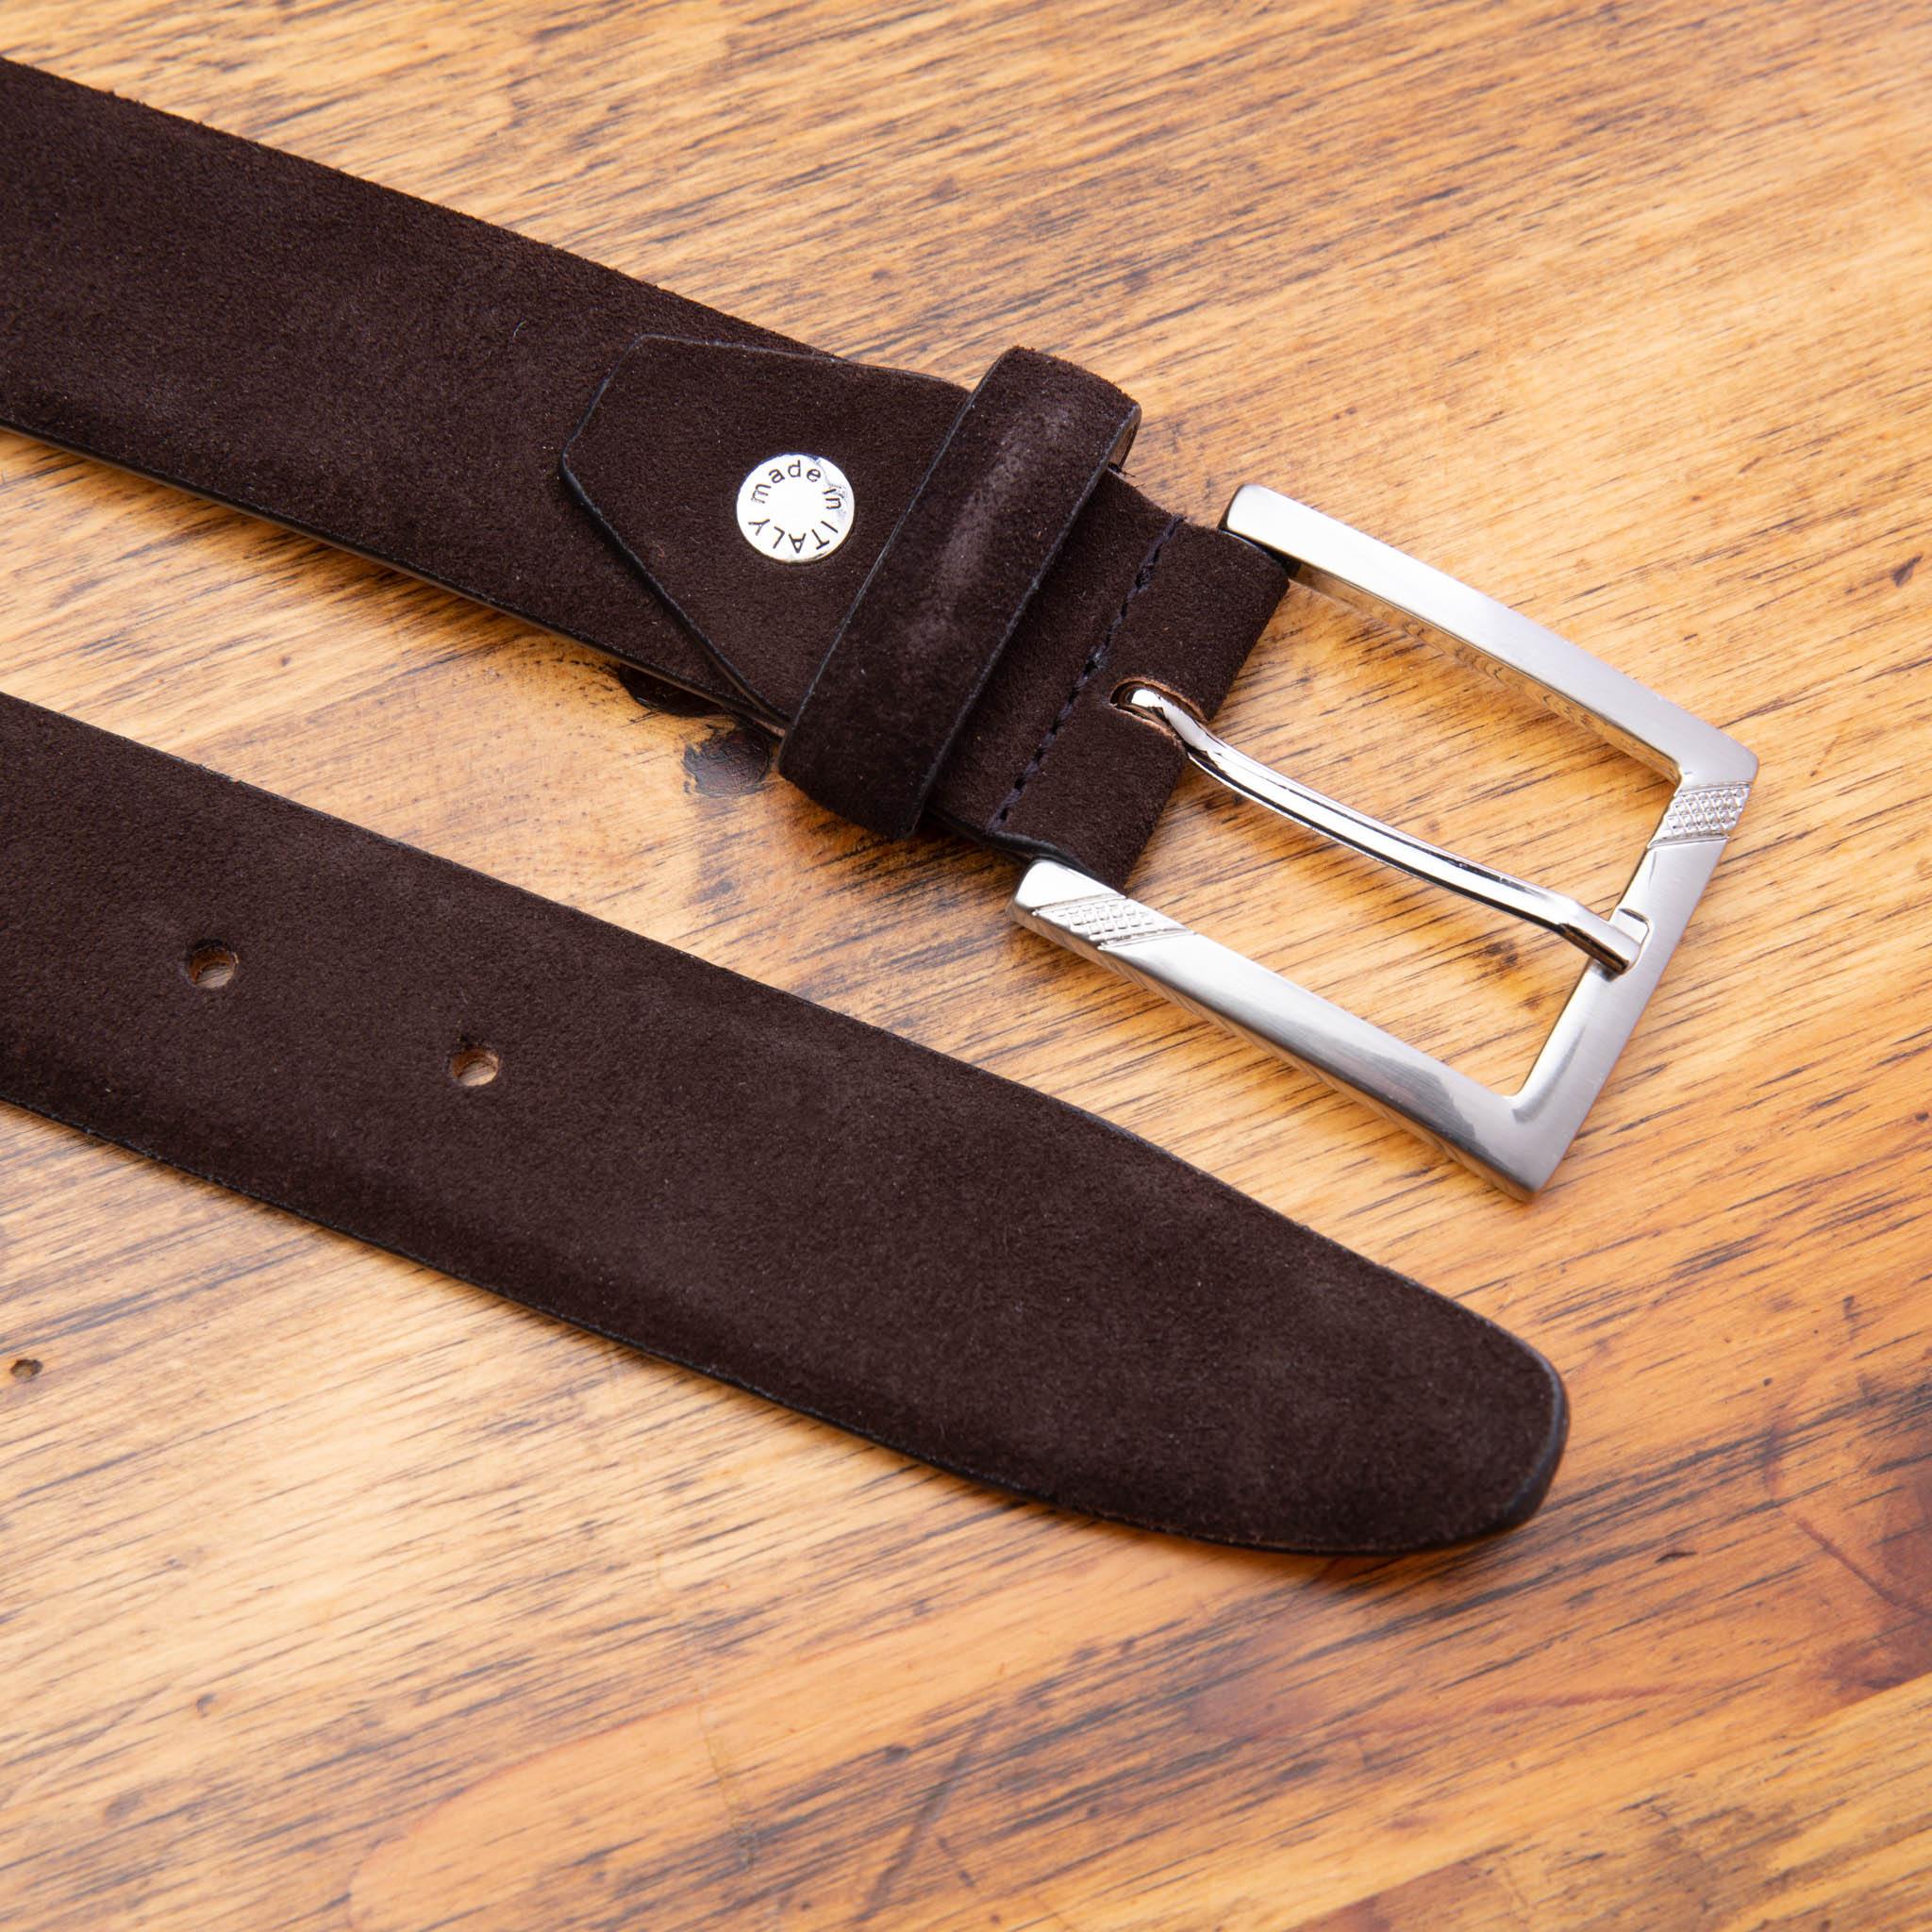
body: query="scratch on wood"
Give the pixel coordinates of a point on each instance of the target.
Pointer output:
(931, 1807)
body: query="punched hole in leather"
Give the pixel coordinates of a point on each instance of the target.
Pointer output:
(212, 967)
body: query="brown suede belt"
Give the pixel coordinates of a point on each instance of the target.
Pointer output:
(580, 1119)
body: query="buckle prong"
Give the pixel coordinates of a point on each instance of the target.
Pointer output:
(1612, 946)
(1517, 1139)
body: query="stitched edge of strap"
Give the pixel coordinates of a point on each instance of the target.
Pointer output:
(1090, 669)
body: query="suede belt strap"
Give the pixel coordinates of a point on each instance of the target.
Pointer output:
(403, 380)
(577, 1118)
(721, 1175)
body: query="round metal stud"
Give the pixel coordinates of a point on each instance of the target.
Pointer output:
(794, 509)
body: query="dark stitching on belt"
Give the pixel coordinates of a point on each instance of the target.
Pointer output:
(1096, 658)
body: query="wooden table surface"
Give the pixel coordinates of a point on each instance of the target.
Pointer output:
(334, 1594)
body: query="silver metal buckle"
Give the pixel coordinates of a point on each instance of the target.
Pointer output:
(1515, 1139)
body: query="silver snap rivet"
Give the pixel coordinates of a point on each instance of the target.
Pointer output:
(796, 509)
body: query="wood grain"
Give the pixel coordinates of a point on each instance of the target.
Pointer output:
(333, 1594)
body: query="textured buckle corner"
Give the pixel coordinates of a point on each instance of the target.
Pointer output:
(1515, 1139)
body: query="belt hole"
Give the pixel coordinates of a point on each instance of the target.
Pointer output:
(474, 1066)
(212, 967)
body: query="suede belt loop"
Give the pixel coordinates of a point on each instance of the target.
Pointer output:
(933, 616)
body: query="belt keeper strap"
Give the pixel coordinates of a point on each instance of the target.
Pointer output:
(938, 608)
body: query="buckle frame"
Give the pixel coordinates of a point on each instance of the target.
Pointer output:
(1516, 1138)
